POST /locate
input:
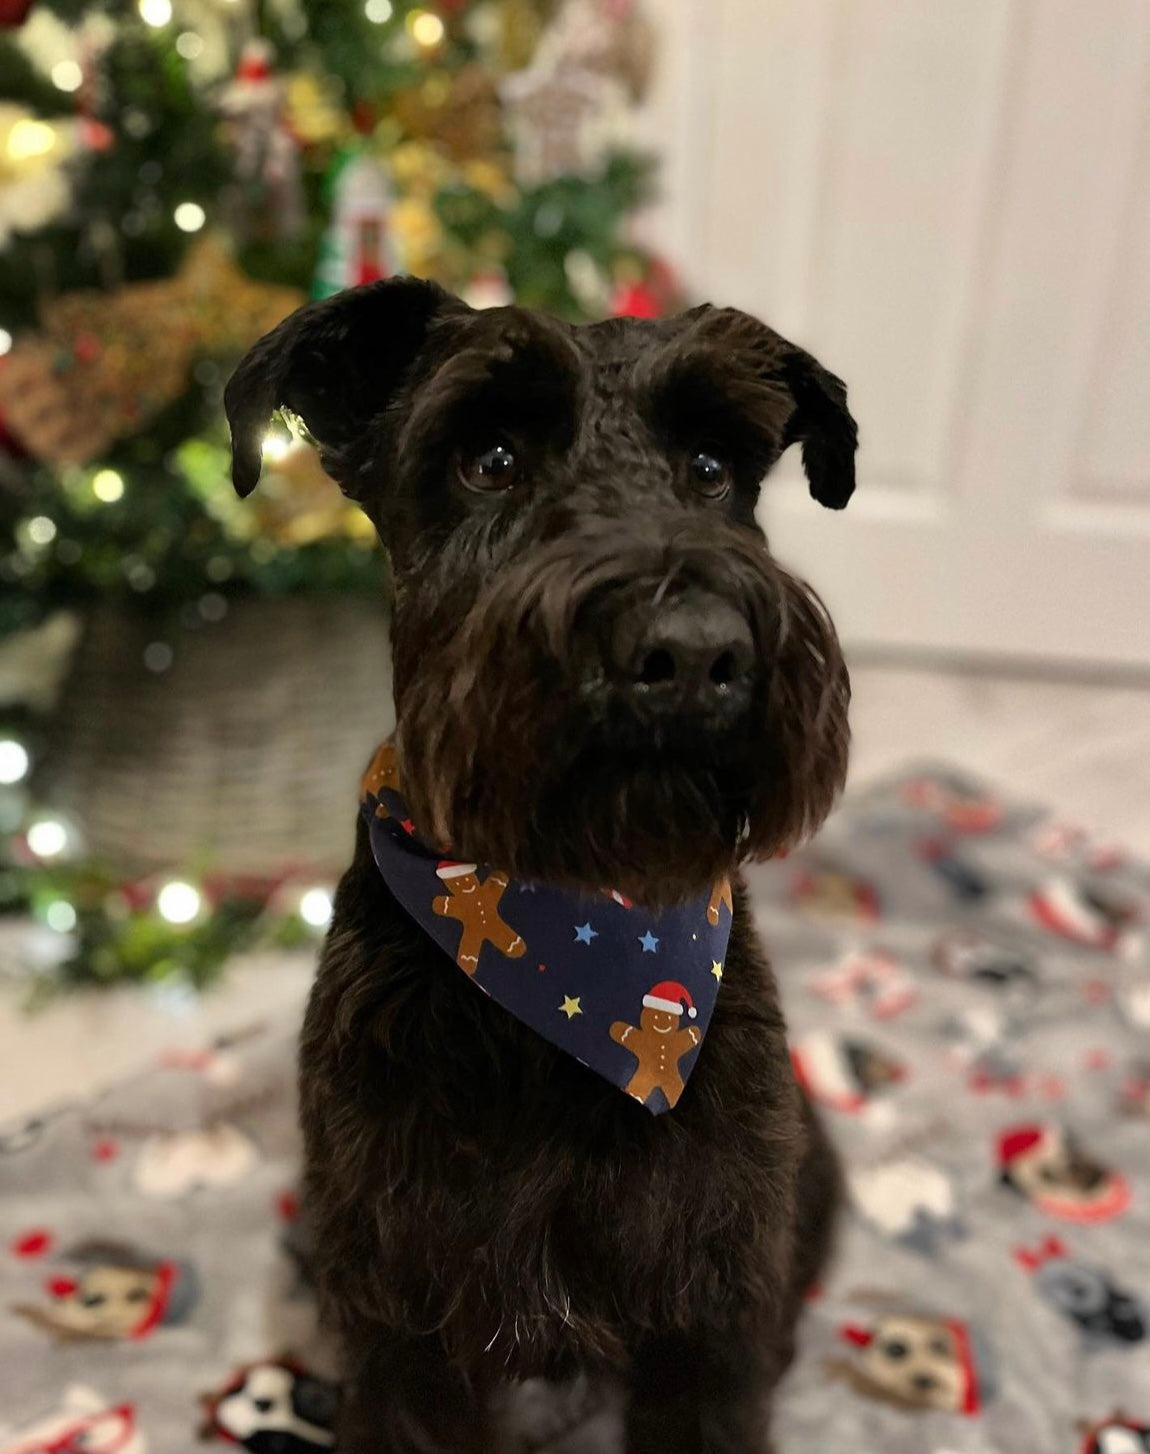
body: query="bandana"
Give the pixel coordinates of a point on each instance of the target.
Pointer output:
(626, 991)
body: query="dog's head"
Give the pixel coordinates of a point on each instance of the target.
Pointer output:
(602, 676)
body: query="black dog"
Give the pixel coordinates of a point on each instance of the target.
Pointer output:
(602, 677)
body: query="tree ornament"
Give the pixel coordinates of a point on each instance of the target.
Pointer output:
(489, 289)
(418, 235)
(254, 106)
(358, 245)
(314, 116)
(571, 106)
(520, 27)
(33, 188)
(644, 290)
(104, 364)
(459, 113)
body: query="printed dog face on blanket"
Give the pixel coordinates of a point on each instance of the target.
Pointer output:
(917, 1362)
(1107, 1315)
(601, 674)
(113, 1292)
(83, 1423)
(274, 1407)
(1045, 1165)
(1117, 1435)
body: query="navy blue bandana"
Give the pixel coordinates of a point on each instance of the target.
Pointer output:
(627, 992)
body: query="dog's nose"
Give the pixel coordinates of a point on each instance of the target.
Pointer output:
(694, 649)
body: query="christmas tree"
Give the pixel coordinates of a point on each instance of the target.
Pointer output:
(176, 179)
(178, 175)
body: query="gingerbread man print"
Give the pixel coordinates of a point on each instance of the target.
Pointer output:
(383, 773)
(476, 907)
(720, 894)
(658, 1042)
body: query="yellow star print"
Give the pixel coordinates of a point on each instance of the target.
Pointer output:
(716, 969)
(570, 1007)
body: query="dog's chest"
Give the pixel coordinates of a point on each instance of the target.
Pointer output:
(553, 1213)
(494, 1188)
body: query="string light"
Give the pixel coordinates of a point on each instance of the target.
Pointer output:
(41, 530)
(155, 12)
(212, 606)
(276, 445)
(47, 838)
(190, 216)
(379, 12)
(67, 76)
(14, 761)
(29, 138)
(5, 342)
(315, 908)
(158, 656)
(189, 45)
(108, 486)
(178, 902)
(61, 916)
(426, 29)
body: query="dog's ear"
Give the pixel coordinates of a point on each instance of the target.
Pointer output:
(781, 386)
(335, 364)
(823, 424)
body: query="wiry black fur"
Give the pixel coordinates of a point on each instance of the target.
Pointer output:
(484, 1207)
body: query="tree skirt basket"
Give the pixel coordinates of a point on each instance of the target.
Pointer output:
(235, 744)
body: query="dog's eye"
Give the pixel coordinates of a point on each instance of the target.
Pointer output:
(709, 475)
(496, 468)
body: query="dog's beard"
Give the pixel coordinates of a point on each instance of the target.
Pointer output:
(514, 753)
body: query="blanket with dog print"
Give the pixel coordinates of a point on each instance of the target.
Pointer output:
(967, 981)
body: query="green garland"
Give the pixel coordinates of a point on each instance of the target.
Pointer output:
(97, 929)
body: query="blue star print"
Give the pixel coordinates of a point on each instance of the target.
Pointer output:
(584, 933)
(649, 942)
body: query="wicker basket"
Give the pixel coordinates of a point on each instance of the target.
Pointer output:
(242, 755)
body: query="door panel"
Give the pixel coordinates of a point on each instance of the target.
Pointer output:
(950, 205)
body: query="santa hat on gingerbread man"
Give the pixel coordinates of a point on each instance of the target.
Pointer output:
(448, 869)
(670, 996)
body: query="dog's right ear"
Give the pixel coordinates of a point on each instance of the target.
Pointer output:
(335, 364)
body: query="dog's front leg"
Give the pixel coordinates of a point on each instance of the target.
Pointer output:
(697, 1394)
(405, 1397)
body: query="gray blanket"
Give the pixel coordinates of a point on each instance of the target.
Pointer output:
(969, 993)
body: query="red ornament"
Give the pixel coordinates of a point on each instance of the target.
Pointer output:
(634, 300)
(86, 347)
(94, 135)
(13, 13)
(255, 64)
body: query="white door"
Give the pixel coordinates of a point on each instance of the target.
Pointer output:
(949, 203)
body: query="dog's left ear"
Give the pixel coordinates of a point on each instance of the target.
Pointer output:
(788, 391)
(335, 364)
(823, 424)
